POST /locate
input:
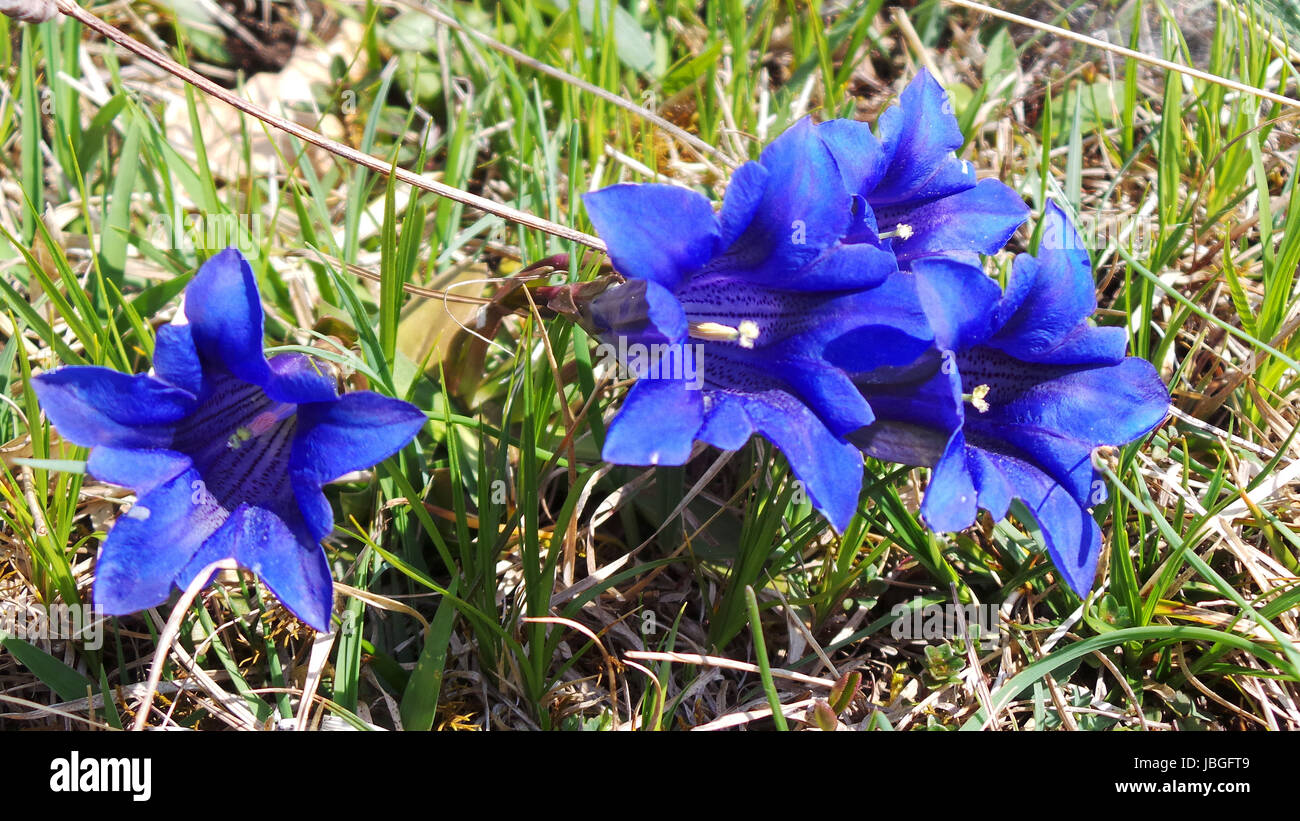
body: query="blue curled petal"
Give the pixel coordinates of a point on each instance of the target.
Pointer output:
(829, 468)
(858, 153)
(176, 360)
(845, 267)
(225, 314)
(918, 136)
(655, 232)
(994, 489)
(359, 430)
(1071, 535)
(297, 379)
(140, 470)
(639, 311)
(828, 392)
(958, 299)
(277, 547)
(977, 220)
(740, 203)
(951, 499)
(726, 425)
(1047, 297)
(317, 514)
(656, 424)
(149, 546)
(90, 405)
(885, 326)
(804, 210)
(917, 411)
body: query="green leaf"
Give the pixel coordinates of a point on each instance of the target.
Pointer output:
(420, 700)
(62, 679)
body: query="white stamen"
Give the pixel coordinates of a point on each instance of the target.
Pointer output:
(745, 334)
(902, 231)
(714, 331)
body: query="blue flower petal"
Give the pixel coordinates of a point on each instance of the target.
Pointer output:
(149, 546)
(1046, 298)
(317, 514)
(297, 379)
(359, 430)
(225, 314)
(994, 489)
(99, 406)
(857, 152)
(919, 136)
(1107, 405)
(845, 267)
(958, 299)
(741, 202)
(140, 470)
(656, 424)
(828, 391)
(829, 468)
(640, 311)
(1073, 540)
(977, 220)
(805, 209)
(1071, 534)
(1085, 344)
(176, 360)
(274, 544)
(655, 232)
(917, 410)
(951, 500)
(885, 326)
(289, 562)
(726, 425)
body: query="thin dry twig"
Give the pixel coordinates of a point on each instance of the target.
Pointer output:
(1167, 65)
(169, 635)
(71, 9)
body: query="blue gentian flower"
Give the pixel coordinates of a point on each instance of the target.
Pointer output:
(924, 201)
(749, 320)
(1017, 393)
(226, 450)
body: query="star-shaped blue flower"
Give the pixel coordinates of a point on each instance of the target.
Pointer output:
(1017, 393)
(924, 201)
(226, 450)
(766, 306)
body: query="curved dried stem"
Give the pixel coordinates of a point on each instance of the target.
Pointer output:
(76, 12)
(1167, 65)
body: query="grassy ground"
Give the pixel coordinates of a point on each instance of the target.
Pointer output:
(497, 574)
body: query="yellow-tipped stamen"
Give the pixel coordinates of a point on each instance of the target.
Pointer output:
(239, 437)
(748, 333)
(977, 400)
(902, 231)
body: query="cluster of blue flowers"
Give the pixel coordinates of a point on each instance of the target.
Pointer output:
(837, 304)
